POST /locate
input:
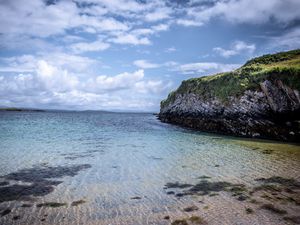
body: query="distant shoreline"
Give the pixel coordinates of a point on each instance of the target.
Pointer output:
(15, 109)
(21, 110)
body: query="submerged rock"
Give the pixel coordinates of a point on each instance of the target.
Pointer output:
(41, 181)
(136, 198)
(190, 208)
(273, 209)
(79, 202)
(5, 212)
(261, 99)
(51, 204)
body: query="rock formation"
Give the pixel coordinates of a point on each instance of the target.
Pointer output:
(260, 99)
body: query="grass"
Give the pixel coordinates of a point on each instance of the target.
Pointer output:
(283, 66)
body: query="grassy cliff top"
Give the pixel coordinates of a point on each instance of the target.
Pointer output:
(283, 66)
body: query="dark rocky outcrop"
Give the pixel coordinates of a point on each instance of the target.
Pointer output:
(260, 99)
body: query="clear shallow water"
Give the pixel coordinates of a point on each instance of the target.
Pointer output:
(119, 164)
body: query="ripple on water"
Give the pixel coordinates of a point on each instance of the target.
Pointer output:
(105, 168)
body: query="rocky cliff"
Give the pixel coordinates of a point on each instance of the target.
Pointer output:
(260, 99)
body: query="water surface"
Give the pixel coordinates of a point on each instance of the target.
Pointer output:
(114, 168)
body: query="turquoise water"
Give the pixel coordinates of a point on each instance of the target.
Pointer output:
(119, 163)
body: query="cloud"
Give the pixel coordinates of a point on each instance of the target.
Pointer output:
(247, 11)
(152, 86)
(130, 39)
(160, 27)
(288, 40)
(237, 47)
(54, 86)
(144, 64)
(189, 23)
(120, 7)
(158, 14)
(171, 49)
(114, 83)
(55, 49)
(54, 79)
(205, 67)
(28, 63)
(89, 46)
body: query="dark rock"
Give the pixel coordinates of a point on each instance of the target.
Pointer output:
(26, 205)
(5, 212)
(204, 177)
(79, 202)
(136, 197)
(180, 222)
(190, 208)
(51, 204)
(205, 187)
(240, 103)
(39, 177)
(177, 185)
(4, 183)
(166, 217)
(249, 211)
(273, 209)
(242, 198)
(293, 219)
(16, 217)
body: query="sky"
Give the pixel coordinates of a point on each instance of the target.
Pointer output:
(127, 55)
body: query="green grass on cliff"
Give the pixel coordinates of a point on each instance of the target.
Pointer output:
(284, 66)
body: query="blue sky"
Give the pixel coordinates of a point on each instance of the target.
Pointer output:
(129, 54)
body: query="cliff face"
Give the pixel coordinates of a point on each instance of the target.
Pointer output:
(261, 99)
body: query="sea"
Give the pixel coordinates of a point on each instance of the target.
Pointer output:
(61, 167)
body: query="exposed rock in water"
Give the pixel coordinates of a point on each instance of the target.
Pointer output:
(261, 99)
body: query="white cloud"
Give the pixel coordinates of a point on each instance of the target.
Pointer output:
(248, 11)
(121, 81)
(142, 31)
(54, 86)
(171, 64)
(34, 18)
(28, 63)
(89, 46)
(53, 37)
(130, 39)
(189, 23)
(288, 40)
(158, 14)
(237, 47)
(144, 64)
(161, 27)
(205, 67)
(121, 7)
(55, 79)
(152, 86)
(171, 49)
(99, 23)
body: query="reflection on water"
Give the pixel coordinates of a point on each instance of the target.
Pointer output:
(112, 168)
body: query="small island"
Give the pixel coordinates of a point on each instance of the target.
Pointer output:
(260, 99)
